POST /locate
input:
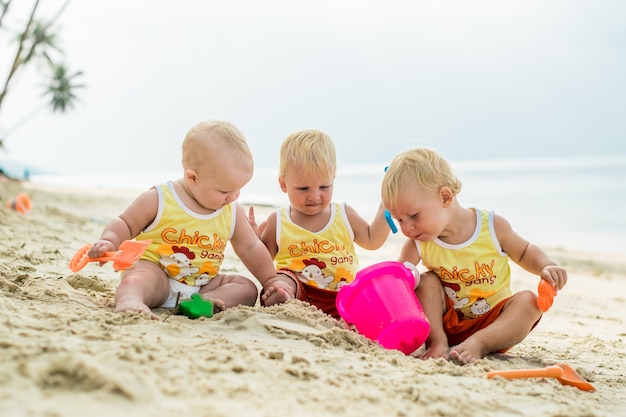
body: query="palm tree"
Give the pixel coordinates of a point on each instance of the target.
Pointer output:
(61, 89)
(38, 41)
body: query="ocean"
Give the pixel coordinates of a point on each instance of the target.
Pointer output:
(570, 203)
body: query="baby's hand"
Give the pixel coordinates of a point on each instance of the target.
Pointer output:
(555, 276)
(258, 228)
(98, 249)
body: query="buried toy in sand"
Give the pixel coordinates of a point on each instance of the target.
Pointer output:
(21, 203)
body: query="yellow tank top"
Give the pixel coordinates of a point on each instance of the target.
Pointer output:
(324, 259)
(188, 246)
(476, 274)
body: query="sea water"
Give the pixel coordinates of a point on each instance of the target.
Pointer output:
(571, 203)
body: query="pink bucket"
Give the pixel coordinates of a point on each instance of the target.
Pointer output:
(381, 304)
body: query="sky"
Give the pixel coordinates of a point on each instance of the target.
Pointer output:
(482, 79)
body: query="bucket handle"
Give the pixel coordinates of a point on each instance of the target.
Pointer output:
(346, 292)
(416, 273)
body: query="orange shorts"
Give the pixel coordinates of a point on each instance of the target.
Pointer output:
(323, 299)
(458, 329)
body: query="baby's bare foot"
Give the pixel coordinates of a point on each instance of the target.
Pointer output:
(130, 304)
(468, 352)
(276, 295)
(218, 305)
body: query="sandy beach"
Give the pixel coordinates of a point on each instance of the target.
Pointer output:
(63, 352)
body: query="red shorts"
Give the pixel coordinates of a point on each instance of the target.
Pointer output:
(323, 299)
(458, 329)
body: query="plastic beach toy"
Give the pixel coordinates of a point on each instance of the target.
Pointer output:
(127, 254)
(388, 217)
(21, 203)
(562, 372)
(381, 304)
(390, 222)
(546, 294)
(196, 307)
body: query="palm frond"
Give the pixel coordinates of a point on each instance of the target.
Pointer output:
(61, 88)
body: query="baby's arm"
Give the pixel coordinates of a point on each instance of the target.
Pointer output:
(266, 231)
(527, 255)
(409, 253)
(369, 236)
(258, 228)
(137, 216)
(251, 250)
(268, 237)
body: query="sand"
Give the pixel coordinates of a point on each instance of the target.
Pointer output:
(63, 352)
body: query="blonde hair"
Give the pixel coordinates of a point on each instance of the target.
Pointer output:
(313, 152)
(421, 166)
(207, 136)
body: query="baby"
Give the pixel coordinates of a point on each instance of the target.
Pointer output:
(190, 221)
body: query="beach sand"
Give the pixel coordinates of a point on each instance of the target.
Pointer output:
(63, 352)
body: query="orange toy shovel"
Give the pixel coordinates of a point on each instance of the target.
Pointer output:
(562, 372)
(127, 254)
(546, 294)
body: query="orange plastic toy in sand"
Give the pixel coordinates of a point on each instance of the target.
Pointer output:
(21, 203)
(562, 372)
(546, 294)
(127, 254)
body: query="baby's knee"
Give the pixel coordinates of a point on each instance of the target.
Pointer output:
(528, 300)
(144, 277)
(527, 296)
(250, 290)
(233, 290)
(427, 279)
(429, 282)
(152, 289)
(246, 284)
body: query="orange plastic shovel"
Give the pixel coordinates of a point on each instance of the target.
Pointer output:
(546, 294)
(562, 372)
(127, 254)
